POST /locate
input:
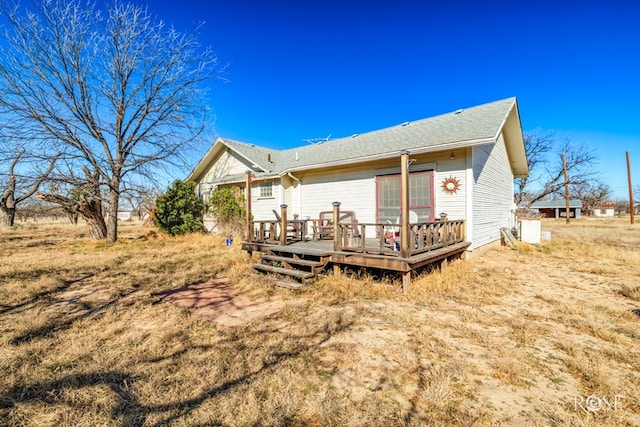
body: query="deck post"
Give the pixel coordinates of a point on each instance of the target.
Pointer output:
(336, 226)
(336, 269)
(405, 250)
(247, 186)
(406, 280)
(283, 225)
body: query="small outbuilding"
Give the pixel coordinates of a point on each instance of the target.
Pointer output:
(558, 208)
(605, 209)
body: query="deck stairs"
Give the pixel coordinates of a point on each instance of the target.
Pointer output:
(291, 270)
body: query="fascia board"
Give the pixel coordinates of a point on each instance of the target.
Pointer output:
(206, 159)
(392, 154)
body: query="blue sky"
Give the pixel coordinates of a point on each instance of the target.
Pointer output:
(301, 70)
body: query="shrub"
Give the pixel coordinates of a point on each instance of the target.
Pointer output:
(228, 206)
(179, 210)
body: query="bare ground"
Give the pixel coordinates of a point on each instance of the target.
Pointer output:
(540, 335)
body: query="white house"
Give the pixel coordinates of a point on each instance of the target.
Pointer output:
(462, 163)
(607, 209)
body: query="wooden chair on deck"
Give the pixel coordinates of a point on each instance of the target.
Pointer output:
(392, 231)
(296, 229)
(323, 227)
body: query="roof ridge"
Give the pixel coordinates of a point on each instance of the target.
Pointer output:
(403, 124)
(248, 144)
(475, 125)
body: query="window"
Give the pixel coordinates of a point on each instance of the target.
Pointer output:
(266, 190)
(420, 196)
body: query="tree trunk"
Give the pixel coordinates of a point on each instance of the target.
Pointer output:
(90, 209)
(7, 217)
(73, 217)
(92, 214)
(8, 202)
(112, 221)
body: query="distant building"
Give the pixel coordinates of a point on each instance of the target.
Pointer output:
(125, 215)
(605, 209)
(557, 208)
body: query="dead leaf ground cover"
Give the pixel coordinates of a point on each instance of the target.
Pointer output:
(540, 335)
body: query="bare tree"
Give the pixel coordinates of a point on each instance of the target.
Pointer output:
(592, 193)
(622, 206)
(537, 144)
(544, 154)
(18, 188)
(121, 92)
(36, 210)
(81, 198)
(140, 199)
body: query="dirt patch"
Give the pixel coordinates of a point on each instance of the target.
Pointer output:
(218, 301)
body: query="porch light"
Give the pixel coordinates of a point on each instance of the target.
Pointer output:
(452, 156)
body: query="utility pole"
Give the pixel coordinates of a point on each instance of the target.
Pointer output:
(631, 206)
(566, 186)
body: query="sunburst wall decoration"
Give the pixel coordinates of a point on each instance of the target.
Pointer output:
(450, 185)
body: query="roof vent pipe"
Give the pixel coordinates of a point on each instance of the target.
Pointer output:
(269, 157)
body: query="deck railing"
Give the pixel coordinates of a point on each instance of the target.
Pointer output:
(423, 237)
(353, 236)
(384, 240)
(270, 232)
(265, 232)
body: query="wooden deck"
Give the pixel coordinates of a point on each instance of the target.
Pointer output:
(299, 248)
(302, 255)
(319, 248)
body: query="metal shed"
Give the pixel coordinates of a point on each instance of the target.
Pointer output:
(558, 208)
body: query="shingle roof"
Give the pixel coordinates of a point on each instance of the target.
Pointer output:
(573, 203)
(462, 128)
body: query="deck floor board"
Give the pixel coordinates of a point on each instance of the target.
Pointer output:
(391, 261)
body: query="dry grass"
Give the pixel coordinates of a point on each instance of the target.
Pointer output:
(516, 337)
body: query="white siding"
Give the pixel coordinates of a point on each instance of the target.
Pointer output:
(224, 165)
(355, 187)
(262, 208)
(454, 205)
(469, 195)
(291, 189)
(492, 192)
(604, 212)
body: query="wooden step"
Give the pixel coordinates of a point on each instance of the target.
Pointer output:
(289, 260)
(302, 275)
(282, 283)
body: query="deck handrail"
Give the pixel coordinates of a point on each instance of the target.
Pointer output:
(352, 237)
(427, 236)
(270, 231)
(264, 232)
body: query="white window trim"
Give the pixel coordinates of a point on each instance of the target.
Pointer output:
(264, 184)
